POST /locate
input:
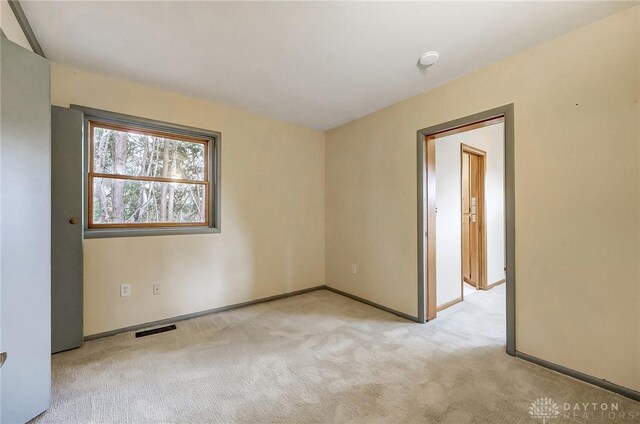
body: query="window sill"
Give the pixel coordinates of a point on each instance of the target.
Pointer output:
(142, 232)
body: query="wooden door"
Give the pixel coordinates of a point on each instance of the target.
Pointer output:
(471, 217)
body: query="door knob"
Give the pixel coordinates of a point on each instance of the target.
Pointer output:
(3, 358)
(73, 221)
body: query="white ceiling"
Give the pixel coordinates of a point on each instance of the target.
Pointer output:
(318, 64)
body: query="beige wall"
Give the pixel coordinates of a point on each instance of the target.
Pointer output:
(272, 238)
(11, 27)
(577, 202)
(577, 195)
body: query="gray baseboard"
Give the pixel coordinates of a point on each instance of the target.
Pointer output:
(199, 314)
(241, 305)
(607, 385)
(604, 384)
(375, 305)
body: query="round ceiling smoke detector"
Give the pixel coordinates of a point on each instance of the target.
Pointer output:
(429, 58)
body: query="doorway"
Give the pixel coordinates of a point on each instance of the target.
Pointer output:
(476, 268)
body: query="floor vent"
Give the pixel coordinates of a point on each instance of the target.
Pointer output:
(155, 330)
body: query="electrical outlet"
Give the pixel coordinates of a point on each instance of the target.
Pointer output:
(354, 268)
(156, 288)
(125, 289)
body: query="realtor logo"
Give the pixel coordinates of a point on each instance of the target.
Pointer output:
(545, 409)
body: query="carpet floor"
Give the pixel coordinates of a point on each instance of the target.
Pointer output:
(318, 358)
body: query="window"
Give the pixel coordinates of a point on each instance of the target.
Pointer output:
(148, 176)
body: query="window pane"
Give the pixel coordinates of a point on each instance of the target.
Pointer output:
(118, 201)
(130, 153)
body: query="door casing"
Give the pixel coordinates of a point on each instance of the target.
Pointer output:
(426, 213)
